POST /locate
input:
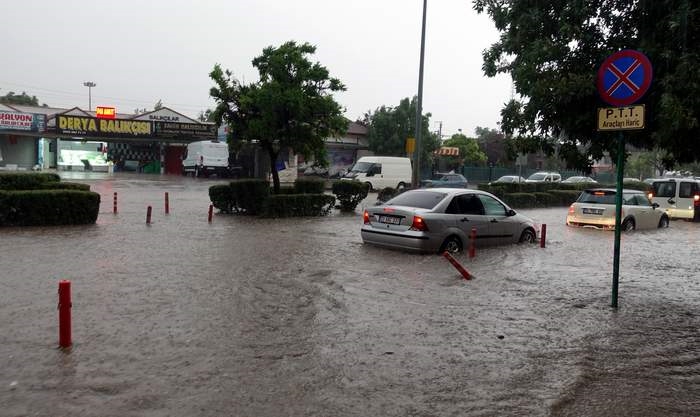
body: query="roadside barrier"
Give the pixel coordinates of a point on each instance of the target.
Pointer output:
(115, 202)
(543, 235)
(211, 212)
(64, 314)
(457, 265)
(148, 215)
(167, 203)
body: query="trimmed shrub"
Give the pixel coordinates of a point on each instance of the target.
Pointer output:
(221, 196)
(249, 195)
(26, 180)
(350, 193)
(386, 194)
(65, 186)
(544, 199)
(520, 200)
(48, 207)
(564, 197)
(284, 191)
(297, 205)
(309, 185)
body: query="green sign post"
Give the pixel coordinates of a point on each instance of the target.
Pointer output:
(623, 78)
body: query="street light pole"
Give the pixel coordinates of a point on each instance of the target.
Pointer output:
(89, 85)
(419, 106)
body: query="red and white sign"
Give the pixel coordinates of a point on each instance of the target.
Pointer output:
(16, 120)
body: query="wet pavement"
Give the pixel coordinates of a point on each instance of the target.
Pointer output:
(296, 317)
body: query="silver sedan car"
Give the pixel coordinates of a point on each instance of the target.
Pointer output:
(441, 219)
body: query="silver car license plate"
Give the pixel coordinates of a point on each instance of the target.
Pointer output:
(389, 219)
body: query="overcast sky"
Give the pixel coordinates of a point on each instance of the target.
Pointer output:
(138, 52)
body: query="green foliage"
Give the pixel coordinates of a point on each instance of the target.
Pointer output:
(564, 197)
(349, 193)
(309, 185)
(553, 50)
(248, 195)
(22, 99)
(48, 207)
(386, 194)
(298, 205)
(26, 180)
(520, 200)
(389, 127)
(544, 199)
(65, 186)
(221, 196)
(290, 107)
(469, 152)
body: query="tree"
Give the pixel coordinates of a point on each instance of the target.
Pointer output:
(21, 99)
(291, 106)
(158, 105)
(389, 127)
(206, 116)
(553, 49)
(469, 152)
(493, 143)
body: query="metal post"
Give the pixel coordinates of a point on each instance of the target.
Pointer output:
(618, 217)
(64, 314)
(167, 203)
(419, 106)
(89, 85)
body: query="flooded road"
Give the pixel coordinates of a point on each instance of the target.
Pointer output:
(296, 317)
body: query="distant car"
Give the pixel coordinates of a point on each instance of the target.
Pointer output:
(441, 219)
(596, 208)
(508, 179)
(579, 180)
(544, 177)
(447, 180)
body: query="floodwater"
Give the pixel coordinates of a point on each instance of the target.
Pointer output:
(296, 317)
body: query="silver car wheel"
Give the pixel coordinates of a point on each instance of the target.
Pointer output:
(528, 236)
(451, 245)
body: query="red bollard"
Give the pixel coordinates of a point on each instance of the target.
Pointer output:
(167, 203)
(64, 320)
(211, 211)
(472, 243)
(457, 265)
(148, 215)
(115, 203)
(543, 235)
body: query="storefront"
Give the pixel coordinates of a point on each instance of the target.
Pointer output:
(19, 138)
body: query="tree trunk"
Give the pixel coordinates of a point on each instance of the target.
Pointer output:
(273, 169)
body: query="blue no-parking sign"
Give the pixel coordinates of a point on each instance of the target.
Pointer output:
(624, 77)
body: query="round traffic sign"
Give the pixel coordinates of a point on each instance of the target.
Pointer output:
(624, 77)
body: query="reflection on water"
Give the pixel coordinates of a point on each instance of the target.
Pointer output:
(248, 316)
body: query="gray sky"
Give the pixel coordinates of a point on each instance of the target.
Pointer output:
(141, 51)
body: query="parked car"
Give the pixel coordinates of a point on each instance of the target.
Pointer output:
(544, 177)
(596, 208)
(678, 197)
(579, 180)
(449, 180)
(507, 179)
(441, 219)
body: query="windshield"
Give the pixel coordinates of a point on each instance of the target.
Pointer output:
(362, 167)
(537, 177)
(417, 199)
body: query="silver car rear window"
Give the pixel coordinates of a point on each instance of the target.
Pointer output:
(418, 199)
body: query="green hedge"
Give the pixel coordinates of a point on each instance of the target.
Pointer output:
(65, 186)
(248, 195)
(48, 207)
(221, 196)
(564, 197)
(350, 193)
(26, 180)
(296, 205)
(309, 185)
(520, 200)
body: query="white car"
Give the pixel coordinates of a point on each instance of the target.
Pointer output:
(544, 177)
(579, 180)
(595, 208)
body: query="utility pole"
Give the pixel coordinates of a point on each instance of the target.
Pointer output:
(419, 106)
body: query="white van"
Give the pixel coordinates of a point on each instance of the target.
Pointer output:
(206, 157)
(678, 197)
(382, 171)
(544, 177)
